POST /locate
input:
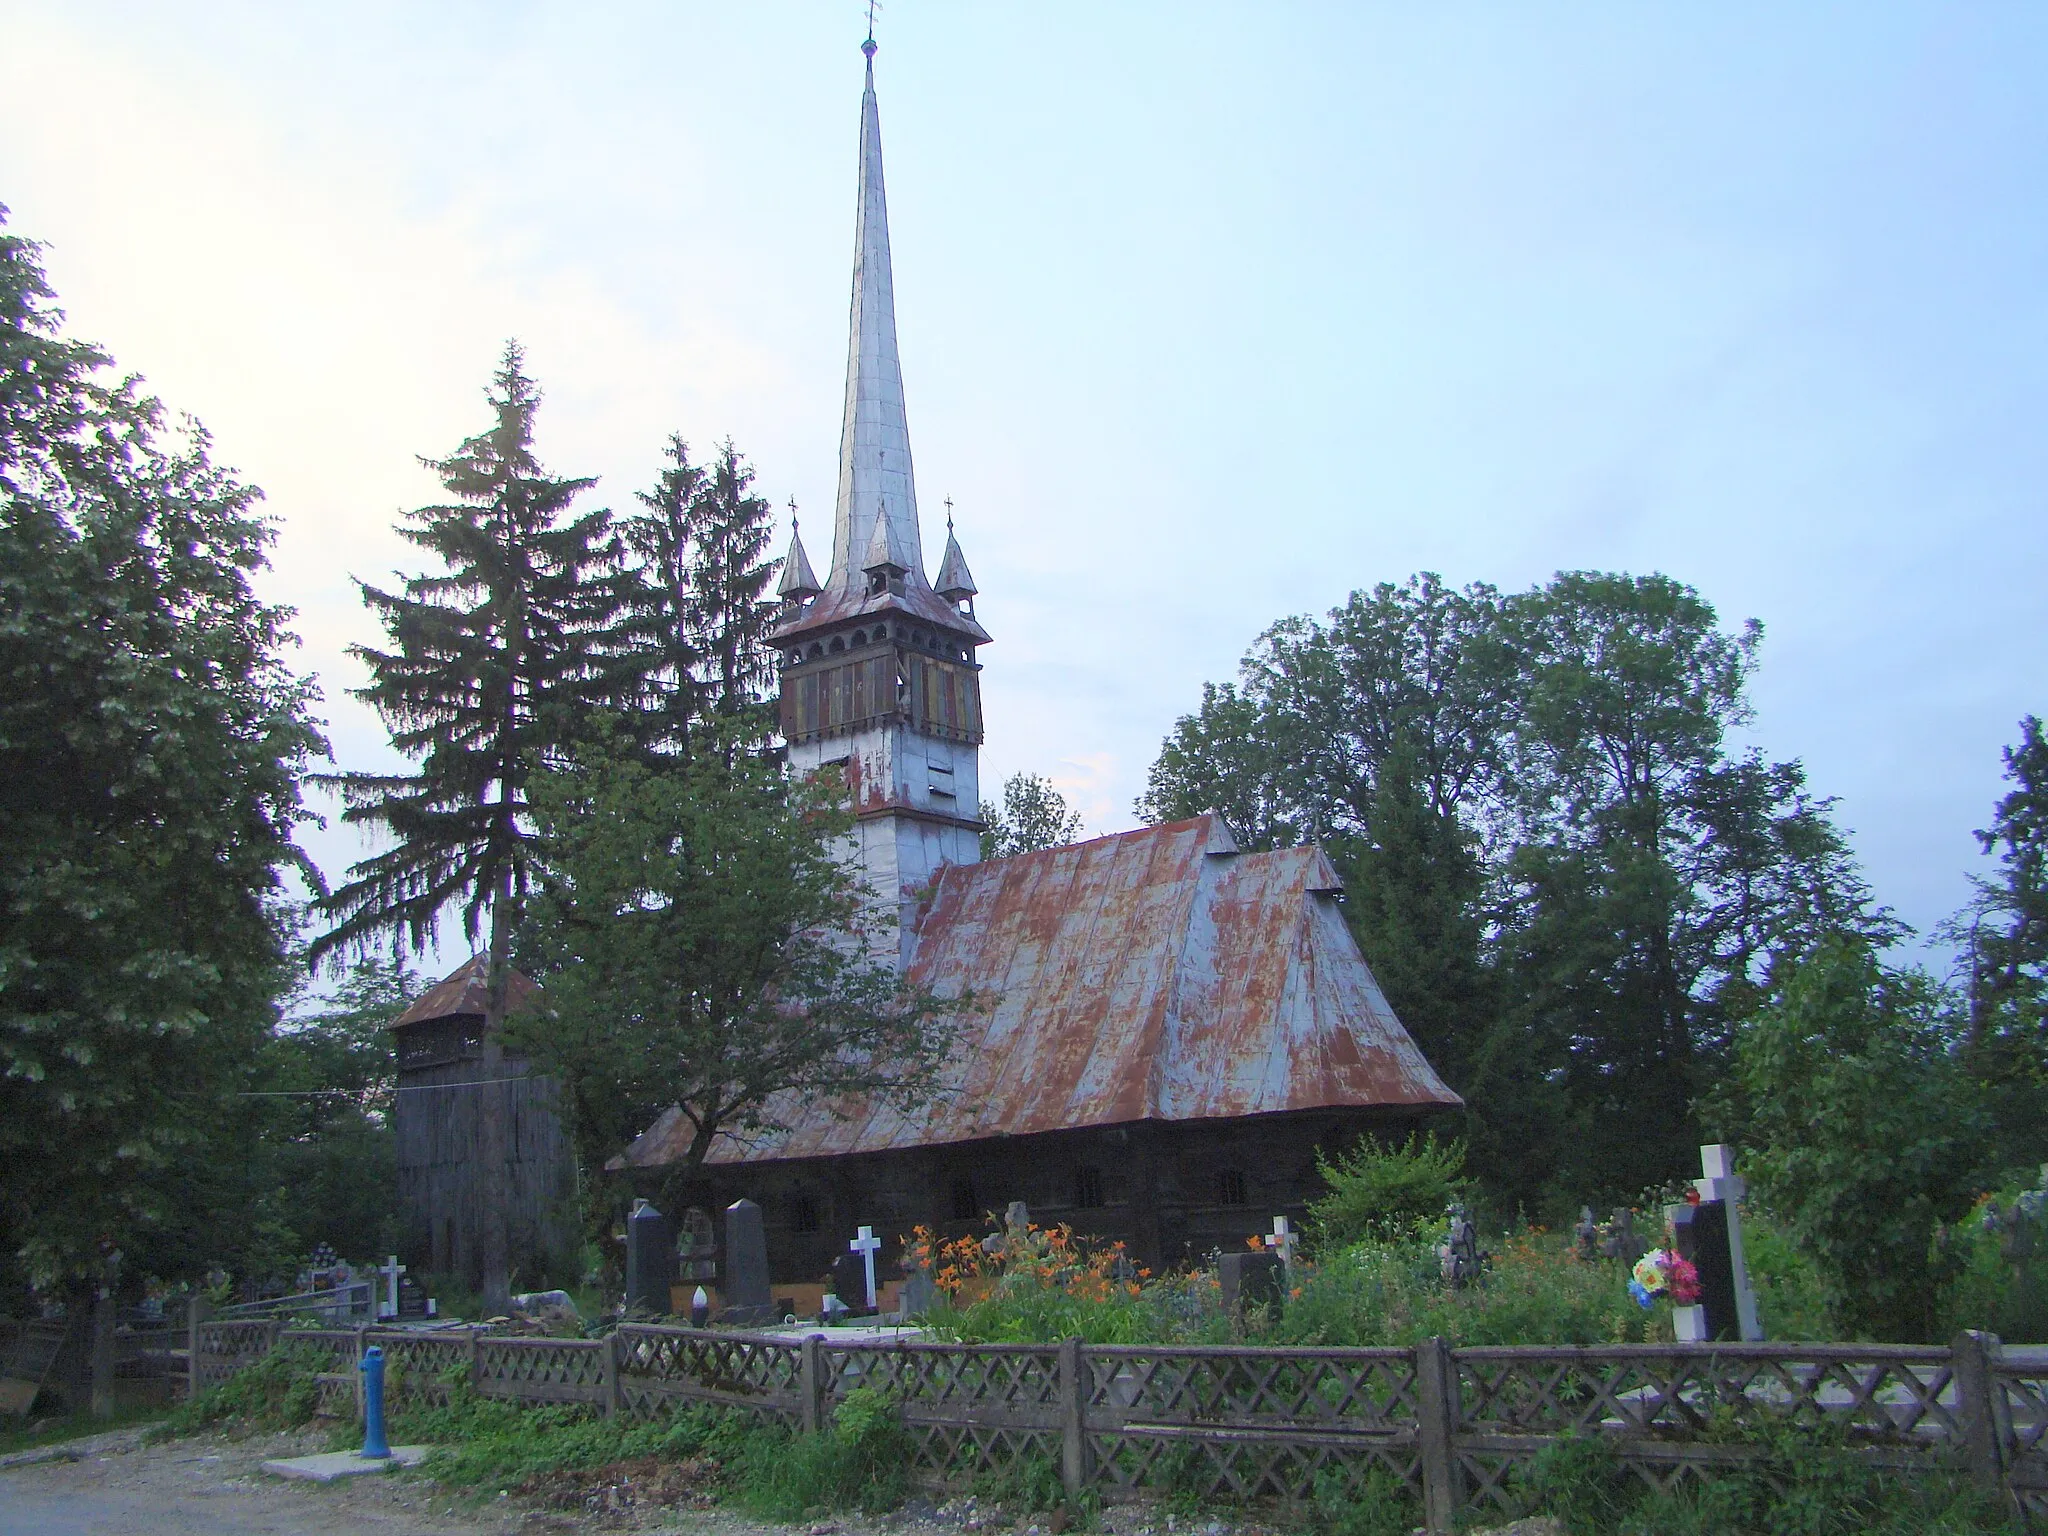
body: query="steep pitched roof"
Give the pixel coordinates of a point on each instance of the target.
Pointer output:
(1154, 975)
(466, 990)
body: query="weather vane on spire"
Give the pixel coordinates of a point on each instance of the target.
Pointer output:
(868, 47)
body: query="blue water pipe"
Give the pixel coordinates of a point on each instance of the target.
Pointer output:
(375, 1446)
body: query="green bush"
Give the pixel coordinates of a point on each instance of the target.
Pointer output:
(1387, 1192)
(861, 1462)
(1379, 1505)
(1029, 1481)
(1392, 1293)
(279, 1391)
(1986, 1286)
(1791, 1295)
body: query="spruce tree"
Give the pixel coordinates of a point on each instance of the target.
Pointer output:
(494, 660)
(695, 615)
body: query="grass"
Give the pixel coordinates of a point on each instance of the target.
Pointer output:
(1808, 1486)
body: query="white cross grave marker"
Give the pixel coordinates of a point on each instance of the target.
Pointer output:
(865, 1245)
(1283, 1240)
(390, 1269)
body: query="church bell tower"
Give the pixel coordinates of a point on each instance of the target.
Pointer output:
(878, 669)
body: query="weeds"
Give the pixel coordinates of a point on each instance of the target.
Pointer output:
(279, 1391)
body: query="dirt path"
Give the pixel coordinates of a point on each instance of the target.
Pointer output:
(209, 1484)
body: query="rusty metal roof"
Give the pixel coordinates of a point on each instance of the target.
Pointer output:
(1152, 975)
(465, 990)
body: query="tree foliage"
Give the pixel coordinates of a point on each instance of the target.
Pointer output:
(1033, 816)
(1861, 1129)
(1566, 882)
(151, 741)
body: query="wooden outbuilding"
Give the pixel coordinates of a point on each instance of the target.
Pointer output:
(440, 1102)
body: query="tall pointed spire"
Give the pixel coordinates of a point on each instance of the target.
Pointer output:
(874, 434)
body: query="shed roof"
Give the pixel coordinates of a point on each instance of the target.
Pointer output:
(466, 990)
(1158, 975)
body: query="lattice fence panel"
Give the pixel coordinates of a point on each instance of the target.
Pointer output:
(542, 1370)
(2021, 1400)
(423, 1364)
(663, 1368)
(971, 1408)
(224, 1348)
(1887, 1395)
(1251, 1423)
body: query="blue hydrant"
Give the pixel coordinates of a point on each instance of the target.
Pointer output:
(375, 1446)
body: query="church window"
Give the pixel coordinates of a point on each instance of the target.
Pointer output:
(1230, 1188)
(965, 1206)
(803, 1212)
(817, 651)
(860, 637)
(838, 644)
(1088, 1188)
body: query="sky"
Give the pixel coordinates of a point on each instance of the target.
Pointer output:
(1209, 315)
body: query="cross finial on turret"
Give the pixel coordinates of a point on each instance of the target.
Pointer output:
(949, 514)
(792, 514)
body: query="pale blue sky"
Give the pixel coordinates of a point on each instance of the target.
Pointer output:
(1209, 314)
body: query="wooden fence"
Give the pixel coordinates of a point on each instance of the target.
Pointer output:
(1247, 1422)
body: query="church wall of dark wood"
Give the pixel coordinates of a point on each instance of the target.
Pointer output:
(1172, 1193)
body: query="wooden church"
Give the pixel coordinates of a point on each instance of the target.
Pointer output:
(1173, 1026)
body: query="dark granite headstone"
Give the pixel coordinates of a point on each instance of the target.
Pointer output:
(1702, 1235)
(850, 1282)
(650, 1261)
(748, 1301)
(1251, 1281)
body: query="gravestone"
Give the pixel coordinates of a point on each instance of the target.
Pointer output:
(749, 1303)
(1458, 1255)
(650, 1261)
(1618, 1238)
(412, 1300)
(1709, 1234)
(1251, 1281)
(1586, 1235)
(850, 1282)
(918, 1294)
(697, 1248)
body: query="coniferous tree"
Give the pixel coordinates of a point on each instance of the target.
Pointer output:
(695, 617)
(495, 661)
(2003, 938)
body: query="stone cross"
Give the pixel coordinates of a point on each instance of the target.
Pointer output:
(390, 1269)
(1282, 1240)
(865, 1245)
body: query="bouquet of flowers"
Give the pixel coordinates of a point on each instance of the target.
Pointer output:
(1661, 1272)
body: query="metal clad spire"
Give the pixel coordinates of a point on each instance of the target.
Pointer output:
(874, 439)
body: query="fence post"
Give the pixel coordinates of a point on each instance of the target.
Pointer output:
(1436, 1405)
(476, 1359)
(362, 1400)
(1971, 1357)
(613, 1402)
(812, 1382)
(1075, 1471)
(197, 1310)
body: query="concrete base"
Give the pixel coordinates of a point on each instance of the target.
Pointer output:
(327, 1467)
